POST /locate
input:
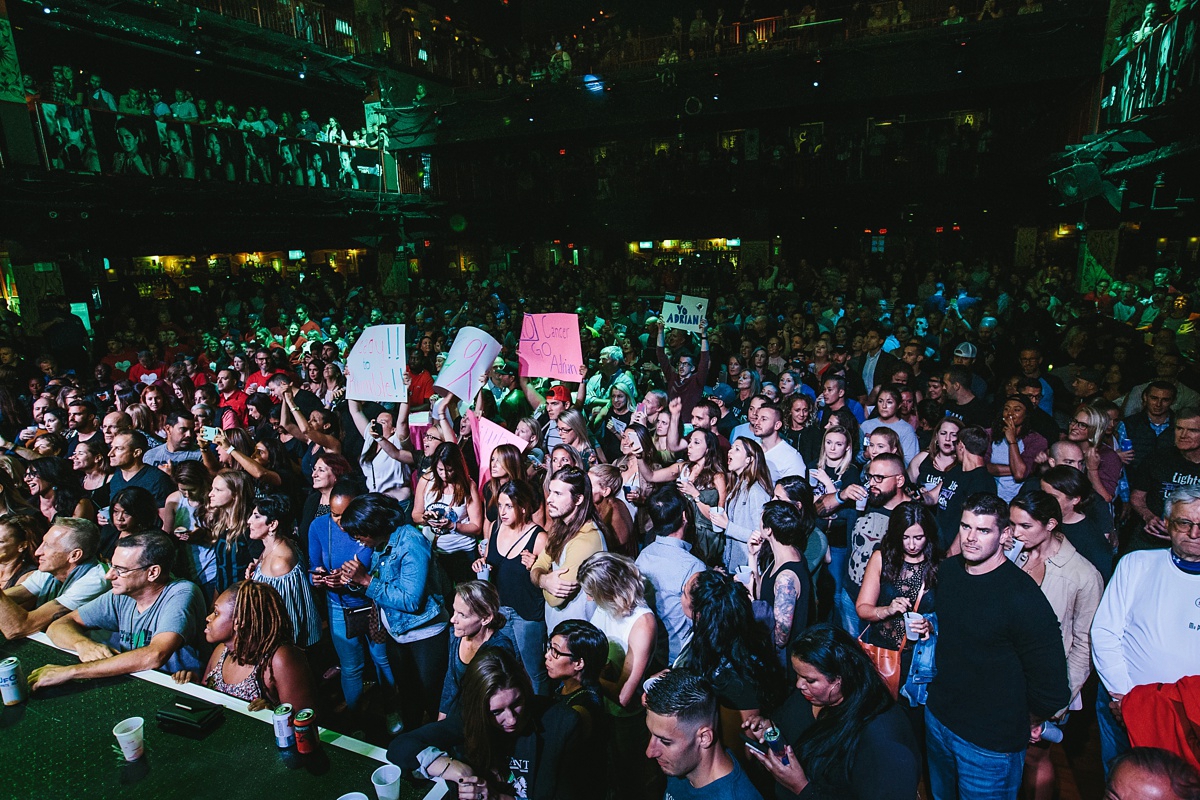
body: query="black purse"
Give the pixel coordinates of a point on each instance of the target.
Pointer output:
(358, 620)
(190, 716)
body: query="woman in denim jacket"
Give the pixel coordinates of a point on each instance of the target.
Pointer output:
(402, 580)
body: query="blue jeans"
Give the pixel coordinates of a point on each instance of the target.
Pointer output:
(844, 615)
(531, 644)
(1113, 739)
(351, 658)
(959, 770)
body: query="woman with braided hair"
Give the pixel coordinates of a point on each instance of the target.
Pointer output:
(253, 656)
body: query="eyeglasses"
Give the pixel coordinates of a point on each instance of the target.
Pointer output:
(1183, 525)
(554, 651)
(1077, 424)
(123, 571)
(872, 477)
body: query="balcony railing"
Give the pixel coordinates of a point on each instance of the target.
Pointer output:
(301, 19)
(91, 142)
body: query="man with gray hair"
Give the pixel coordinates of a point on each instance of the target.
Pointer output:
(68, 575)
(610, 369)
(1147, 628)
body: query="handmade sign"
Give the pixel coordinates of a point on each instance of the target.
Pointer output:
(375, 367)
(550, 347)
(487, 436)
(684, 311)
(471, 355)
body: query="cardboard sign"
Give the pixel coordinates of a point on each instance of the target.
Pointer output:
(550, 347)
(684, 311)
(487, 436)
(471, 355)
(376, 364)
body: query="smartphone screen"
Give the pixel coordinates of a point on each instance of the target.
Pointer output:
(210, 432)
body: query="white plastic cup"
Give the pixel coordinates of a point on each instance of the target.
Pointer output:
(354, 796)
(743, 574)
(386, 781)
(129, 733)
(911, 618)
(860, 505)
(483, 574)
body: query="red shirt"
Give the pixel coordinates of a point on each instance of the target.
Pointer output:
(119, 363)
(236, 402)
(156, 373)
(420, 389)
(261, 378)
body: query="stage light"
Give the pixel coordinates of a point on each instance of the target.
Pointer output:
(47, 8)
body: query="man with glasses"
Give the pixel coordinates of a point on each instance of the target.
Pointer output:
(155, 622)
(686, 379)
(1041, 421)
(1001, 667)
(1171, 468)
(885, 488)
(1147, 628)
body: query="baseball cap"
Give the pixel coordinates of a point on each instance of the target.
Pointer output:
(1091, 375)
(559, 393)
(966, 350)
(723, 392)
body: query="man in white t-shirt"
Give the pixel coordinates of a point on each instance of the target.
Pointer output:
(67, 576)
(782, 459)
(1146, 628)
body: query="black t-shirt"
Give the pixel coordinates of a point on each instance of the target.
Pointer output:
(152, 479)
(1162, 475)
(957, 486)
(976, 412)
(1088, 537)
(999, 656)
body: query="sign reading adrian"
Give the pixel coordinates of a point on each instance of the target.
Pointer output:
(684, 311)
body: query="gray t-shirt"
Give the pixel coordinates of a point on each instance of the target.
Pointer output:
(85, 583)
(179, 609)
(162, 455)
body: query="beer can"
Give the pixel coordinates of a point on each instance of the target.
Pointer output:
(13, 688)
(774, 740)
(281, 720)
(307, 737)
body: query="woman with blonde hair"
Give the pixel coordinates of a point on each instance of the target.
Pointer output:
(618, 523)
(1087, 429)
(574, 433)
(615, 583)
(226, 529)
(146, 421)
(637, 446)
(476, 624)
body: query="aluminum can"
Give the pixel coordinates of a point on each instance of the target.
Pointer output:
(13, 687)
(774, 740)
(307, 737)
(281, 720)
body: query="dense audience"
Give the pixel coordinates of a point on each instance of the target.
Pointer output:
(861, 527)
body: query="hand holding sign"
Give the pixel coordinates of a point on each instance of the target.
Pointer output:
(487, 436)
(375, 368)
(550, 347)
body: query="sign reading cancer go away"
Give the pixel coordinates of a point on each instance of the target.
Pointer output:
(376, 364)
(550, 347)
(684, 311)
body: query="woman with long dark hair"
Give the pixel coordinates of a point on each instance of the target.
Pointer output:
(1091, 534)
(281, 564)
(90, 461)
(801, 428)
(1073, 587)
(733, 650)
(448, 506)
(749, 491)
(514, 543)
(846, 737)
(55, 489)
(507, 737)
(779, 575)
(700, 477)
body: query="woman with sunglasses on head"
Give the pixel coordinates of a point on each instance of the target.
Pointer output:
(1087, 429)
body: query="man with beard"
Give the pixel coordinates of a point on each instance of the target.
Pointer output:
(885, 487)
